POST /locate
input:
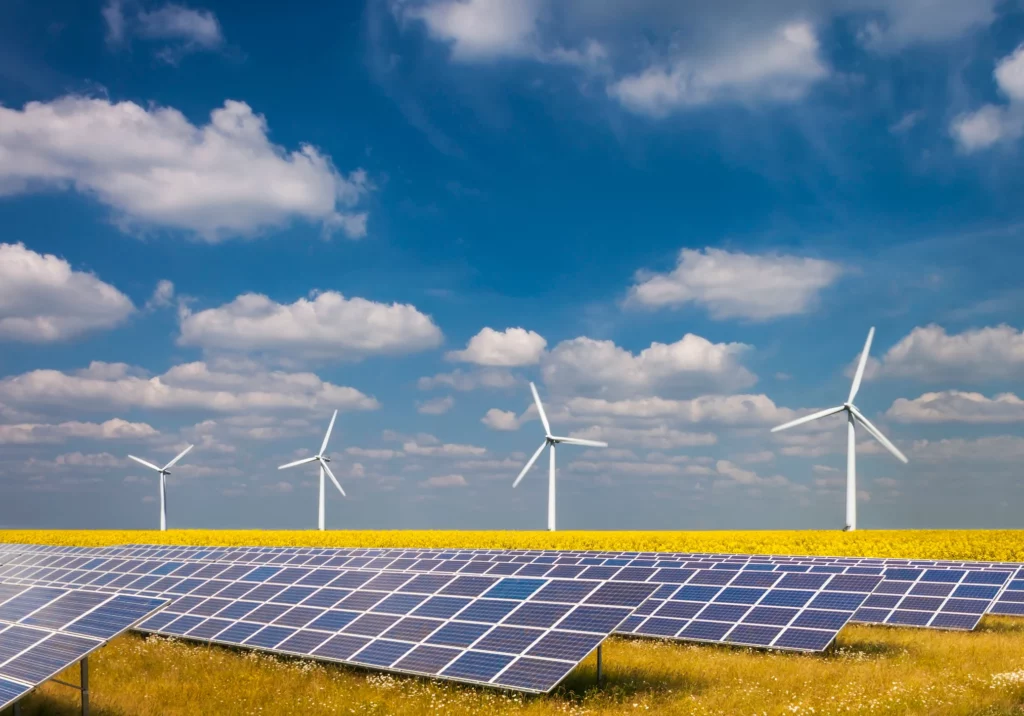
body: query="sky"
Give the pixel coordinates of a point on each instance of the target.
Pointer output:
(221, 221)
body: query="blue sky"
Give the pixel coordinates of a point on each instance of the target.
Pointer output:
(223, 221)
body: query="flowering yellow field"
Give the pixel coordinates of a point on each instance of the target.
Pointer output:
(989, 545)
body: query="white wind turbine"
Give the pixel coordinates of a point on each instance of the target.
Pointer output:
(323, 460)
(550, 441)
(164, 472)
(853, 416)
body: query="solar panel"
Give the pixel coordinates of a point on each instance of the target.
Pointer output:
(405, 622)
(44, 630)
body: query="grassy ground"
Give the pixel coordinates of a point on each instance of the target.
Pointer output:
(873, 670)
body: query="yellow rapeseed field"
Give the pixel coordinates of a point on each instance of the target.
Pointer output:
(872, 670)
(989, 545)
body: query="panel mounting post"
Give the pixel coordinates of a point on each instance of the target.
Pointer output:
(84, 666)
(600, 676)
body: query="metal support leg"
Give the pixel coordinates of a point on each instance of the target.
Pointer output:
(600, 676)
(17, 710)
(84, 665)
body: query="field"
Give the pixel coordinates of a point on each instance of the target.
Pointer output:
(873, 670)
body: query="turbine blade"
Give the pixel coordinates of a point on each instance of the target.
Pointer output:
(530, 463)
(580, 441)
(143, 462)
(303, 461)
(877, 435)
(540, 410)
(180, 455)
(333, 478)
(809, 418)
(328, 435)
(860, 366)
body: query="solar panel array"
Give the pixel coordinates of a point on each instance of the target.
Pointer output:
(43, 630)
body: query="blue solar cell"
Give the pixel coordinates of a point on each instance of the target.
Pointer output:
(514, 588)
(740, 595)
(620, 594)
(972, 591)
(113, 617)
(696, 594)
(269, 637)
(870, 616)
(967, 606)
(468, 586)
(325, 597)
(803, 581)
(944, 620)
(675, 576)
(978, 577)
(659, 626)
(708, 576)
(157, 621)
(16, 639)
(352, 580)
(10, 691)
(678, 610)
(65, 609)
(458, 634)
(47, 657)
(412, 629)
(25, 603)
(756, 579)
(804, 639)
(933, 589)
(777, 616)
(236, 610)
(266, 613)
(510, 640)
(476, 665)
(820, 619)
(852, 583)
(293, 595)
(298, 616)
(182, 625)
(382, 652)
(340, 647)
(399, 603)
(943, 575)
(209, 628)
(565, 646)
(909, 618)
(565, 591)
(209, 607)
(425, 583)
(427, 659)
(593, 619)
(705, 631)
(534, 674)
(838, 600)
(441, 607)
(370, 624)
(387, 582)
(906, 575)
(926, 604)
(566, 571)
(723, 612)
(360, 600)
(264, 592)
(261, 574)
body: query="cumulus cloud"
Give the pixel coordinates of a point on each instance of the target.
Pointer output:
(444, 481)
(113, 429)
(43, 300)
(439, 449)
(992, 123)
(693, 362)
(955, 406)
(325, 325)
(997, 448)
(737, 285)
(194, 385)
(777, 66)
(178, 30)
(468, 380)
(497, 419)
(509, 348)
(719, 409)
(437, 406)
(163, 295)
(733, 472)
(374, 454)
(929, 353)
(154, 168)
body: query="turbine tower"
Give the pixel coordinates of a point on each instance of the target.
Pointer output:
(550, 441)
(323, 460)
(853, 416)
(164, 472)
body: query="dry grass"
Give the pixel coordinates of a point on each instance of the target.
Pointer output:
(994, 545)
(873, 670)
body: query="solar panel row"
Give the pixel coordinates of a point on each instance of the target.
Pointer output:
(43, 630)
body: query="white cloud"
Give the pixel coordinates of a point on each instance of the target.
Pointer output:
(904, 23)
(480, 29)
(954, 406)
(157, 169)
(180, 30)
(752, 458)
(506, 349)
(735, 473)
(42, 299)
(777, 66)
(720, 409)
(78, 459)
(929, 353)
(442, 449)
(992, 123)
(657, 438)
(326, 325)
(692, 362)
(185, 386)
(497, 419)
(374, 454)
(737, 285)
(163, 295)
(437, 406)
(611, 468)
(113, 429)
(468, 380)
(444, 481)
(998, 448)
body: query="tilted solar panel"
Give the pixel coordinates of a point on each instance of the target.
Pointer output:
(44, 630)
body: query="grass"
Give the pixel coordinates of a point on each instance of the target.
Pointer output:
(872, 670)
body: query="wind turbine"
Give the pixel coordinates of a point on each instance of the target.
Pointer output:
(853, 416)
(550, 441)
(323, 460)
(164, 472)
